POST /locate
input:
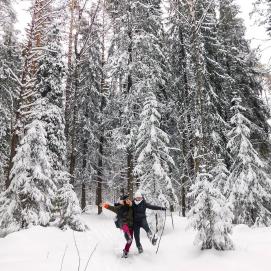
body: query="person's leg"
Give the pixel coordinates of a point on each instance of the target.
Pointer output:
(128, 245)
(145, 226)
(137, 234)
(128, 237)
(126, 230)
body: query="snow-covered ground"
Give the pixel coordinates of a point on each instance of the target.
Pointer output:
(42, 249)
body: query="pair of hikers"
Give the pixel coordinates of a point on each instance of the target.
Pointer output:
(131, 217)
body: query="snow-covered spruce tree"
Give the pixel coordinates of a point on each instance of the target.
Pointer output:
(210, 214)
(153, 158)
(248, 185)
(196, 86)
(79, 99)
(217, 80)
(28, 200)
(26, 93)
(49, 86)
(210, 76)
(262, 9)
(154, 161)
(200, 83)
(122, 77)
(10, 66)
(220, 175)
(7, 13)
(242, 66)
(38, 173)
(92, 96)
(137, 61)
(181, 94)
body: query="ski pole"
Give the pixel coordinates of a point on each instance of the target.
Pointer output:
(162, 231)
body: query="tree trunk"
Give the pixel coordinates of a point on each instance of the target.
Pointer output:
(73, 137)
(70, 70)
(99, 177)
(130, 167)
(84, 165)
(196, 52)
(83, 197)
(130, 177)
(101, 139)
(183, 195)
(74, 102)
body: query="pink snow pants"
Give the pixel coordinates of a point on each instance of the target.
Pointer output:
(128, 234)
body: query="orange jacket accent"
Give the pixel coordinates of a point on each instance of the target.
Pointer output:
(105, 205)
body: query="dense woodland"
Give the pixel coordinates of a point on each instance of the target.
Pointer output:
(106, 97)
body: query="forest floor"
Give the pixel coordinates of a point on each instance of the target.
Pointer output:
(50, 249)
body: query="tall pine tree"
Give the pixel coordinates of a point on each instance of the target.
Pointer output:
(248, 185)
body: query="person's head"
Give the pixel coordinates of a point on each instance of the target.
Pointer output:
(125, 199)
(138, 196)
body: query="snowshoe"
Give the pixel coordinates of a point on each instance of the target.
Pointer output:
(124, 254)
(154, 240)
(140, 249)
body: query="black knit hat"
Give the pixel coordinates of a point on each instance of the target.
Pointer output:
(124, 197)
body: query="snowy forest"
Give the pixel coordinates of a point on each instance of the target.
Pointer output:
(103, 98)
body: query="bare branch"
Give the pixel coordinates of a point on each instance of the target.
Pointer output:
(62, 260)
(90, 256)
(78, 253)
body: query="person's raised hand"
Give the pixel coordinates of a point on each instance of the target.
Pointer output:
(129, 202)
(121, 202)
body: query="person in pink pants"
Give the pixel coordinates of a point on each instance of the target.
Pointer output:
(124, 213)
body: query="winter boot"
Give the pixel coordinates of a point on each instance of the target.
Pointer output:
(140, 249)
(124, 254)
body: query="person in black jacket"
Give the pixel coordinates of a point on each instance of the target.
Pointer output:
(140, 220)
(124, 213)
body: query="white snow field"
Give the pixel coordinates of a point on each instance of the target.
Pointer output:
(42, 249)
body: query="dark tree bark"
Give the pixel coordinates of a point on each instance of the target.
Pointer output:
(130, 176)
(130, 166)
(102, 138)
(99, 176)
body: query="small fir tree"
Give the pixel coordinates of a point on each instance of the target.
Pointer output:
(210, 215)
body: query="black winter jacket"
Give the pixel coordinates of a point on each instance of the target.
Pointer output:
(124, 214)
(139, 210)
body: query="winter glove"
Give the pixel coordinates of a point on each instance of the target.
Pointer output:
(105, 205)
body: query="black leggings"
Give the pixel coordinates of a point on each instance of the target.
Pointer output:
(137, 225)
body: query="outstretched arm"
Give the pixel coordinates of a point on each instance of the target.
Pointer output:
(111, 208)
(155, 207)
